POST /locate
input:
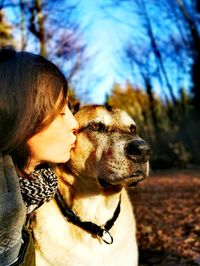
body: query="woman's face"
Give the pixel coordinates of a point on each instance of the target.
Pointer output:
(54, 143)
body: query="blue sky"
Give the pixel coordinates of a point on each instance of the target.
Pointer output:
(105, 37)
(105, 32)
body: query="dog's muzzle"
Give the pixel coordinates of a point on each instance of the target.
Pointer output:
(129, 169)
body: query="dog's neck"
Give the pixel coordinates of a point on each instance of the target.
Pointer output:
(99, 231)
(79, 200)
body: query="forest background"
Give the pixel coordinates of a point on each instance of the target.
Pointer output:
(158, 64)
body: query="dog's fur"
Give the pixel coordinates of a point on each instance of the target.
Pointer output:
(107, 158)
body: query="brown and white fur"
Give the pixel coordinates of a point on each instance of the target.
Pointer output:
(109, 157)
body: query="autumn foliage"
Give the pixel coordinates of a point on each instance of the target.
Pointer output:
(167, 210)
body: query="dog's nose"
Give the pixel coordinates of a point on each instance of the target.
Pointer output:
(137, 150)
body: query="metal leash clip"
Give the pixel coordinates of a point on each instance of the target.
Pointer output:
(106, 237)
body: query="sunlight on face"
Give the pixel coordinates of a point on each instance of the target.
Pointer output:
(54, 143)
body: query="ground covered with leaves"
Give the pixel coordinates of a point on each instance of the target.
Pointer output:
(167, 210)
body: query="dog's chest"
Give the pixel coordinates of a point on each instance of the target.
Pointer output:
(64, 244)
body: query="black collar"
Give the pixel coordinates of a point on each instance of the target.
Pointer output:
(92, 228)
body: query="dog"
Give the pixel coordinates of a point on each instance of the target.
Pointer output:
(91, 222)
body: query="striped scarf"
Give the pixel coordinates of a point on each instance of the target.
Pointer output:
(39, 188)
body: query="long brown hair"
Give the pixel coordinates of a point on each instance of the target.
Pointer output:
(30, 87)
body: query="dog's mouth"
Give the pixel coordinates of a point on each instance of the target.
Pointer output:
(128, 181)
(136, 178)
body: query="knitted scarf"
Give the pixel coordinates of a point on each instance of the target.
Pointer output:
(39, 188)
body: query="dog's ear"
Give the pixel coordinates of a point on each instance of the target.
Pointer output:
(108, 107)
(74, 107)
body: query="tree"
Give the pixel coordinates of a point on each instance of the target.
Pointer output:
(44, 28)
(36, 24)
(192, 24)
(164, 43)
(6, 37)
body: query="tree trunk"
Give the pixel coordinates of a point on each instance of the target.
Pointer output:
(37, 17)
(157, 53)
(195, 46)
(22, 26)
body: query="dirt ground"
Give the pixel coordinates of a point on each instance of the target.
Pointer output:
(167, 210)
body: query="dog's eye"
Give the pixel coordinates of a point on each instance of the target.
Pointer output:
(133, 129)
(100, 127)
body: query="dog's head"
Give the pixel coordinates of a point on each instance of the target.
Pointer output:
(108, 148)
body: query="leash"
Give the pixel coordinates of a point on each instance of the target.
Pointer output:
(92, 228)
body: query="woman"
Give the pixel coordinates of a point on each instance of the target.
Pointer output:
(36, 128)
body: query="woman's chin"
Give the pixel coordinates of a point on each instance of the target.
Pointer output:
(64, 158)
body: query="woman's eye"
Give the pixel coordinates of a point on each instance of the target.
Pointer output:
(65, 110)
